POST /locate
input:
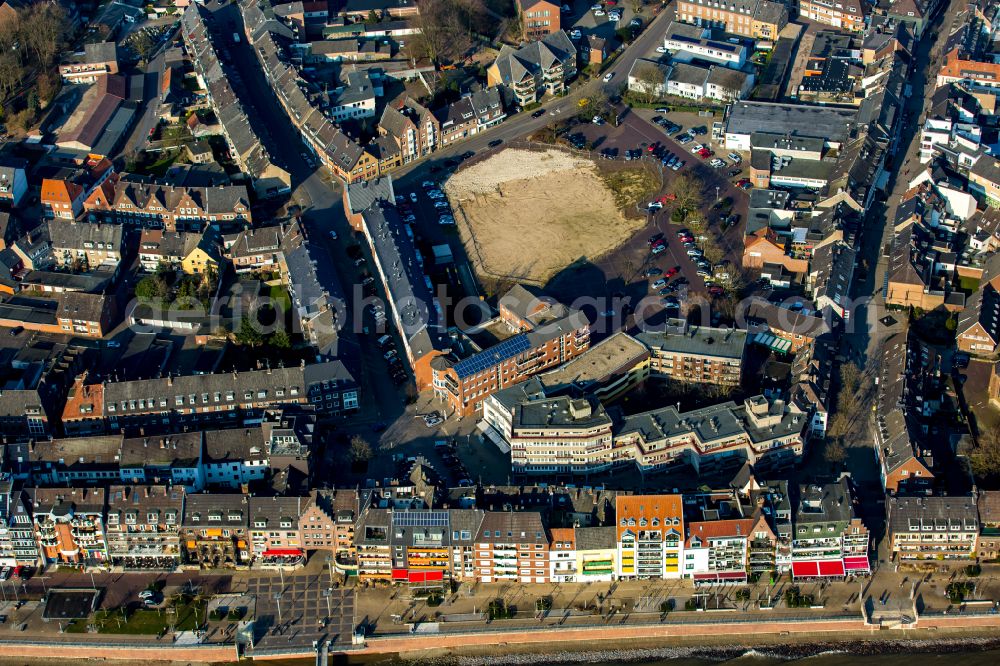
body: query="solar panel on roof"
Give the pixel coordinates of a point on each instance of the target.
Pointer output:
(490, 357)
(421, 519)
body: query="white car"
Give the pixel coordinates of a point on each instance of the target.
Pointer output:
(661, 49)
(413, 197)
(596, 7)
(446, 220)
(659, 284)
(599, 12)
(575, 34)
(440, 204)
(609, 76)
(429, 185)
(614, 17)
(333, 235)
(657, 249)
(678, 165)
(436, 195)
(694, 252)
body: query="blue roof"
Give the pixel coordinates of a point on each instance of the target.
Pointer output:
(487, 358)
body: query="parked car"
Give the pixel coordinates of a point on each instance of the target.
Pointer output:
(663, 109)
(657, 249)
(661, 49)
(495, 142)
(538, 114)
(413, 197)
(694, 252)
(440, 204)
(609, 76)
(672, 272)
(653, 272)
(429, 185)
(677, 167)
(659, 284)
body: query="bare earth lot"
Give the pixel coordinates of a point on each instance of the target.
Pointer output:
(527, 215)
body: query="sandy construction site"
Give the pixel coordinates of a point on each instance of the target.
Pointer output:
(527, 215)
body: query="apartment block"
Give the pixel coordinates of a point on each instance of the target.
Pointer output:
(542, 334)
(540, 67)
(538, 17)
(757, 19)
(933, 528)
(17, 537)
(696, 354)
(717, 551)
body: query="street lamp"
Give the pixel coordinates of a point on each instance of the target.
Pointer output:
(277, 599)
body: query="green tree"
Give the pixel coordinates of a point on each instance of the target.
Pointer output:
(247, 334)
(151, 288)
(280, 339)
(373, 16)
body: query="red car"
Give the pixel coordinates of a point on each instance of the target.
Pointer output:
(671, 272)
(716, 291)
(658, 242)
(687, 239)
(704, 153)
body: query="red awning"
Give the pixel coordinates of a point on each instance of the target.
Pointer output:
(705, 576)
(282, 552)
(733, 575)
(405, 575)
(831, 568)
(807, 569)
(857, 564)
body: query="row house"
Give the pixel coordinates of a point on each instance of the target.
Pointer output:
(263, 250)
(933, 528)
(847, 15)
(414, 129)
(143, 527)
(83, 246)
(562, 555)
(167, 403)
(170, 207)
(596, 553)
(61, 313)
(69, 182)
(13, 182)
(214, 531)
(191, 252)
(327, 523)
(275, 539)
(717, 551)
(372, 544)
(17, 537)
(829, 540)
(244, 145)
(650, 536)
(69, 525)
(470, 115)
(978, 330)
(534, 69)
(512, 546)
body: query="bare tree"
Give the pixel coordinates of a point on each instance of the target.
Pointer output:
(650, 82)
(688, 191)
(43, 30)
(360, 450)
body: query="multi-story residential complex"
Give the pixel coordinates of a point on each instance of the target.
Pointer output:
(829, 540)
(650, 536)
(421, 546)
(263, 249)
(844, 14)
(696, 354)
(234, 457)
(757, 19)
(933, 528)
(83, 246)
(539, 335)
(191, 252)
(988, 544)
(534, 69)
(215, 530)
(791, 330)
(209, 398)
(62, 313)
(560, 435)
(143, 526)
(17, 537)
(978, 330)
(538, 17)
(170, 207)
(512, 546)
(69, 525)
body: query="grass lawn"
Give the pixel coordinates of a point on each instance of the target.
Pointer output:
(968, 284)
(160, 166)
(145, 622)
(279, 294)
